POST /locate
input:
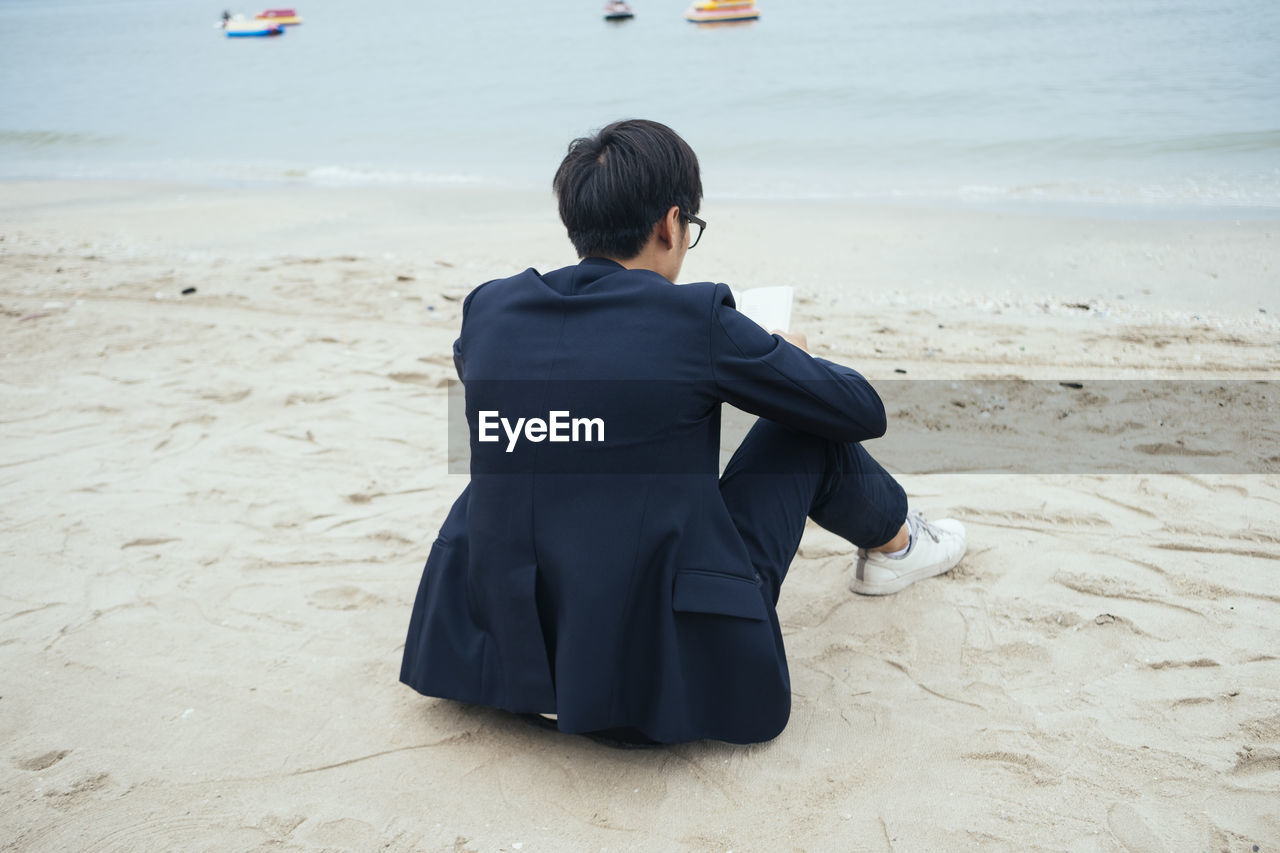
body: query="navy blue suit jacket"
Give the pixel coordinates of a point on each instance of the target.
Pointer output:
(604, 581)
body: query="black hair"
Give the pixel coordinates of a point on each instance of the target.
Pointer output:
(615, 186)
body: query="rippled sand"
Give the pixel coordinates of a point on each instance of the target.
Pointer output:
(216, 506)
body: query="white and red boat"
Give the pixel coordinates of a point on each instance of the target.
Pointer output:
(236, 26)
(721, 11)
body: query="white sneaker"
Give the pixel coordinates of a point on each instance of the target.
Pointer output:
(936, 547)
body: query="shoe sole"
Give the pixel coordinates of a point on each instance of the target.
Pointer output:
(864, 587)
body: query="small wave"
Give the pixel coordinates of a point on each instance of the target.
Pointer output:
(1256, 189)
(237, 173)
(352, 176)
(1241, 141)
(1202, 193)
(1137, 147)
(52, 139)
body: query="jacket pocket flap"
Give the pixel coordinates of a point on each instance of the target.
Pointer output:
(698, 591)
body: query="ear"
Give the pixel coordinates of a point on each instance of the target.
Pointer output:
(669, 230)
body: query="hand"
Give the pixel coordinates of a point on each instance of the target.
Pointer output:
(795, 338)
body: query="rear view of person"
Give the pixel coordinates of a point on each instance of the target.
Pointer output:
(597, 569)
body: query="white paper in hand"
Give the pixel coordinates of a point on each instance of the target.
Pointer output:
(770, 307)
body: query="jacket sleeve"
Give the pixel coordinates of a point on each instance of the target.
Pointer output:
(765, 375)
(457, 344)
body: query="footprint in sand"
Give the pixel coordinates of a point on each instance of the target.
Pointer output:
(1251, 760)
(231, 396)
(1128, 827)
(82, 788)
(43, 761)
(146, 543)
(411, 378)
(343, 598)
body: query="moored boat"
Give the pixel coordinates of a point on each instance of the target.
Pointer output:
(618, 10)
(284, 17)
(721, 11)
(239, 27)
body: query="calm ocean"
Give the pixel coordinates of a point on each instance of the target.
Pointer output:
(1113, 101)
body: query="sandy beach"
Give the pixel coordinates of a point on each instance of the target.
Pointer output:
(223, 422)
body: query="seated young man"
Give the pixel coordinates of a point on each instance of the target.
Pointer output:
(597, 570)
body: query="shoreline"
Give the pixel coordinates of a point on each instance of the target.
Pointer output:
(1169, 263)
(976, 198)
(1118, 194)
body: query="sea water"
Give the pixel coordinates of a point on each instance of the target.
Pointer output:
(1162, 102)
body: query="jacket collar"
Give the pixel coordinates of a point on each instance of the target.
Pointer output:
(575, 280)
(601, 262)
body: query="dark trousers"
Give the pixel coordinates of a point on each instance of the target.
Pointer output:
(779, 477)
(775, 480)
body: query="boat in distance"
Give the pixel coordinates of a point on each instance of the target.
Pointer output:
(238, 26)
(284, 17)
(618, 10)
(721, 11)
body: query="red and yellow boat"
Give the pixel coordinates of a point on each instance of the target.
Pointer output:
(283, 17)
(721, 11)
